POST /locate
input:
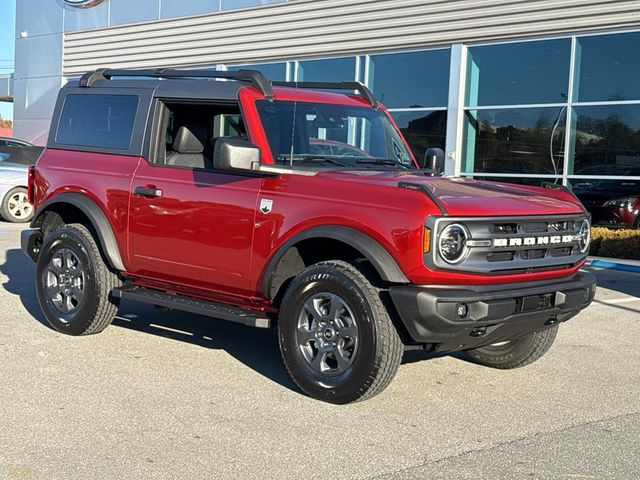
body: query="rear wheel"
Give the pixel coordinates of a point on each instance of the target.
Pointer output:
(16, 207)
(336, 337)
(73, 283)
(516, 353)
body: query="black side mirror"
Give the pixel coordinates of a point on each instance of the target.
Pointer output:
(235, 154)
(433, 161)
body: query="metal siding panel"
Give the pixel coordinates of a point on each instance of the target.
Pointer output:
(313, 28)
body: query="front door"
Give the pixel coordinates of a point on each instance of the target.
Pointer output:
(189, 224)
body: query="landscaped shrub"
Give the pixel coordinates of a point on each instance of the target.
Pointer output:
(615, 243)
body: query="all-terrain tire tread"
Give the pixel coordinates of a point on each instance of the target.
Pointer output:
(389, 344)
(106, 280)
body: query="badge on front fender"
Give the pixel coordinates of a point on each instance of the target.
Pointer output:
(266, 205)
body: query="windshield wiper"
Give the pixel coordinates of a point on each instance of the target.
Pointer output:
(382, 161)
(310, 158)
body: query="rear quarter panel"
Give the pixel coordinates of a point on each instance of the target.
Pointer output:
(103, 178)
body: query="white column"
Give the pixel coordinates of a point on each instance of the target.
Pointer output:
(455, 112)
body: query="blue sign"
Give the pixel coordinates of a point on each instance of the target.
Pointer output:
(82, 3)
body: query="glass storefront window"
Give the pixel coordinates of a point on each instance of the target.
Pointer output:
(423, 130)
(607, 68)
(126, 11)
(612, 203)
(273, 71)
(607, 140)
(329, 70)
(411, 80)
(518, 73)
(523, 140)
(531, 181)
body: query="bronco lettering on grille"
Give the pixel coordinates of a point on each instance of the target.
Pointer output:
(530, 241)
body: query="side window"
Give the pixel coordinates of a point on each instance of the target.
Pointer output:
(188, 133)
(104, 121)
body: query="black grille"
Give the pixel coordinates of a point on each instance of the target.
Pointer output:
(516, 244)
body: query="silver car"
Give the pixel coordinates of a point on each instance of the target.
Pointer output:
(14, 206)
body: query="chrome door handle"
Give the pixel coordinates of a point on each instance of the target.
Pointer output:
(148, 191)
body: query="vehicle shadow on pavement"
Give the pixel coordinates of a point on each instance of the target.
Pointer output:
(258, 349)
(20, 272)
(255, 348)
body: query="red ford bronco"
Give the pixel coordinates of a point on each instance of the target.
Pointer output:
(227, 195)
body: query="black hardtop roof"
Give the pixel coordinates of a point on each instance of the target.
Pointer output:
(200, 84)
(182, 89)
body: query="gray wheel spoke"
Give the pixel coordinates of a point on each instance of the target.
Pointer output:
(343, 362)
(336, 307)
(77, 293)
(311, 307)
(318, 361)
(304, 335)
(349, 332)
(55, 269)
(68, 304)
(53, 291)
(68, 259)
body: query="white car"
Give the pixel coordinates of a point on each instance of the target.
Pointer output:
(14, 206)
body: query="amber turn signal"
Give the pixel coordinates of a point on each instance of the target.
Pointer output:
(426, 240)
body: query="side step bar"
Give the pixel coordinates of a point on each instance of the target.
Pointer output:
(193, 305)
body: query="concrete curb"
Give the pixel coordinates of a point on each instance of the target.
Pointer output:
(621, 264)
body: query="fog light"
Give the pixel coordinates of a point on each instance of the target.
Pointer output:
(462, 309)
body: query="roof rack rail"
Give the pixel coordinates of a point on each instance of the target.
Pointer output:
(361, 88)
(250, 76)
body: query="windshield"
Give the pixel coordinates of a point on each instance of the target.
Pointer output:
(332, 135)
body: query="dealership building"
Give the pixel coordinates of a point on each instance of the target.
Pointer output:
(523, 90)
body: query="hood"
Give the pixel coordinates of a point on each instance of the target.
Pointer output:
(467, 197)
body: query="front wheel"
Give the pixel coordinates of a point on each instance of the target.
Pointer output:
(336, 338)
(516, 353)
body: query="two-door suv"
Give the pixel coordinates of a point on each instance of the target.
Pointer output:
(227, 195)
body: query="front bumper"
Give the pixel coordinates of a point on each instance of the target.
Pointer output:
(490, 314)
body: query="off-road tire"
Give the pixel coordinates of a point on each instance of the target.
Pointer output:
(516, 353)
(379, 348)
(97, 307)
(5, 209)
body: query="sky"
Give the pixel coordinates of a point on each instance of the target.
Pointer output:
(7, 39)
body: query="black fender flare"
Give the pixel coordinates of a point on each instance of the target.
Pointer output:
(98, 220)
(375, 253)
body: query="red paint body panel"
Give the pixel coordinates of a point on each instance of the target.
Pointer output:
(206, 237)
(470, 198)
(103, 178)
(198, 233)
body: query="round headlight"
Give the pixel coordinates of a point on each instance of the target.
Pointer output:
(584, 236)
(452, 244)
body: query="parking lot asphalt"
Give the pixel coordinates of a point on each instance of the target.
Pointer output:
(169, 395)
